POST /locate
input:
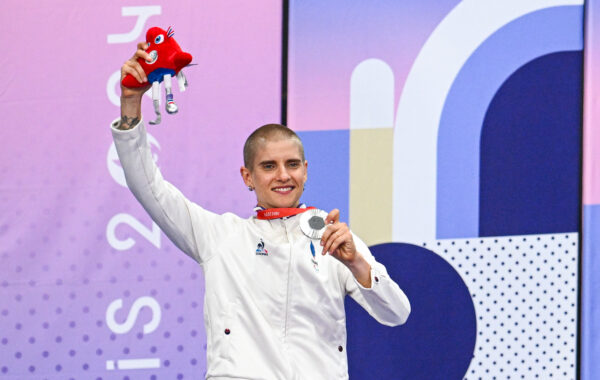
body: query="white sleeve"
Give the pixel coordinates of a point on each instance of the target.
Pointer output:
(184, 222)
(384, 300)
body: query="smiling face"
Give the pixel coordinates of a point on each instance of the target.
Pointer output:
(277, 173)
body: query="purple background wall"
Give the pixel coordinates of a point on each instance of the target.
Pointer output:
(89, 287)
(65, 219)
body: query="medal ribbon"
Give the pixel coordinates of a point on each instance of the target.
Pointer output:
(276, 213)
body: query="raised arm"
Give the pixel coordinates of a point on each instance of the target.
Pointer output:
(184, 222)
(131, 98)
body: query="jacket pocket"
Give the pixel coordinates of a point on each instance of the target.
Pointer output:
(340, 349)
(226, 331)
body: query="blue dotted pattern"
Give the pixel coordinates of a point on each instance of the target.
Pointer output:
(524, 289)
(58, 328)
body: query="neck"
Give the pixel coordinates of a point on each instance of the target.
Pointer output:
(267, 207)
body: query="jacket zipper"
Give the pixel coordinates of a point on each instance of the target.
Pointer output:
(287, 299)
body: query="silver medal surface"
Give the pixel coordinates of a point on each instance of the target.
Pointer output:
(312, 223)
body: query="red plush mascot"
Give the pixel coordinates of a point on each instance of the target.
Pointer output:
(167, 61)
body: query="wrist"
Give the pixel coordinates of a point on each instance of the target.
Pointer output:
(128, 122)
(131, 94)
(131, 111)
(131, 101)
(361, 270)
(358, 262)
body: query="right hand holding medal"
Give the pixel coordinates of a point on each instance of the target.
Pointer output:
(337, 239)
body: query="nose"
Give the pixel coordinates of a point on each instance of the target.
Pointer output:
(282, 174)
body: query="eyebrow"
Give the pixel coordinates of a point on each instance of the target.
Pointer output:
(272, 162)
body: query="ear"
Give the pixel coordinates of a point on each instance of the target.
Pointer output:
(246, 176)
(305, 170)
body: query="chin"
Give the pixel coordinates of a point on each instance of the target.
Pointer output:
(285, 204)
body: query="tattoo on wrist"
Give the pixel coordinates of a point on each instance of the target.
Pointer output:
(128, 122)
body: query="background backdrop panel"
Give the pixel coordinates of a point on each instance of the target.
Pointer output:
(448, 133)
(590, 331)
(347, 66)
(479, 129)
(90, 287)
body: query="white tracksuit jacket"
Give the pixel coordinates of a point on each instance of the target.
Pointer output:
(270, 312)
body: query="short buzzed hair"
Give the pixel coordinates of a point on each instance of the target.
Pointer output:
(262, 135)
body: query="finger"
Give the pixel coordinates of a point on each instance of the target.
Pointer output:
(335, 236)
(333, 216)
(141, 72)
(142, 45)
(135, 65)
(127, 69)
(130, 68)
(332, 228)
(336, 244)
(143, 55)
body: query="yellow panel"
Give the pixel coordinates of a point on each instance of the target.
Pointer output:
(371, 184)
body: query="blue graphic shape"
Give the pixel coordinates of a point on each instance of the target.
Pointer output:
(436, 342)
(590, 294)
(536, 34)
(328, 156)
(531, 150)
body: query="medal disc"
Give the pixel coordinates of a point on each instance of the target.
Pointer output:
(312, 223)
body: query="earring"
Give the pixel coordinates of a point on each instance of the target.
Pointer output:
(250, 188)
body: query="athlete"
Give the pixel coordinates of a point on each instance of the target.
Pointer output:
(274, 306)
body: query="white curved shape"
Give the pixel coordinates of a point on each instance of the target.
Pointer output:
(114, 165)
(421, 103)
(138, 304)
(151, 234)
(111, 88)
(372, 95)
(143, 13)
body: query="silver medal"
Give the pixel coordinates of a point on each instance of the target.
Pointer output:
(312, 223)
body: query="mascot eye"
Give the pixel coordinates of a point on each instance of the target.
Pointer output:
(159, 39)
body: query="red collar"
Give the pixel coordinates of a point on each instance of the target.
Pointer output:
(276, 213)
